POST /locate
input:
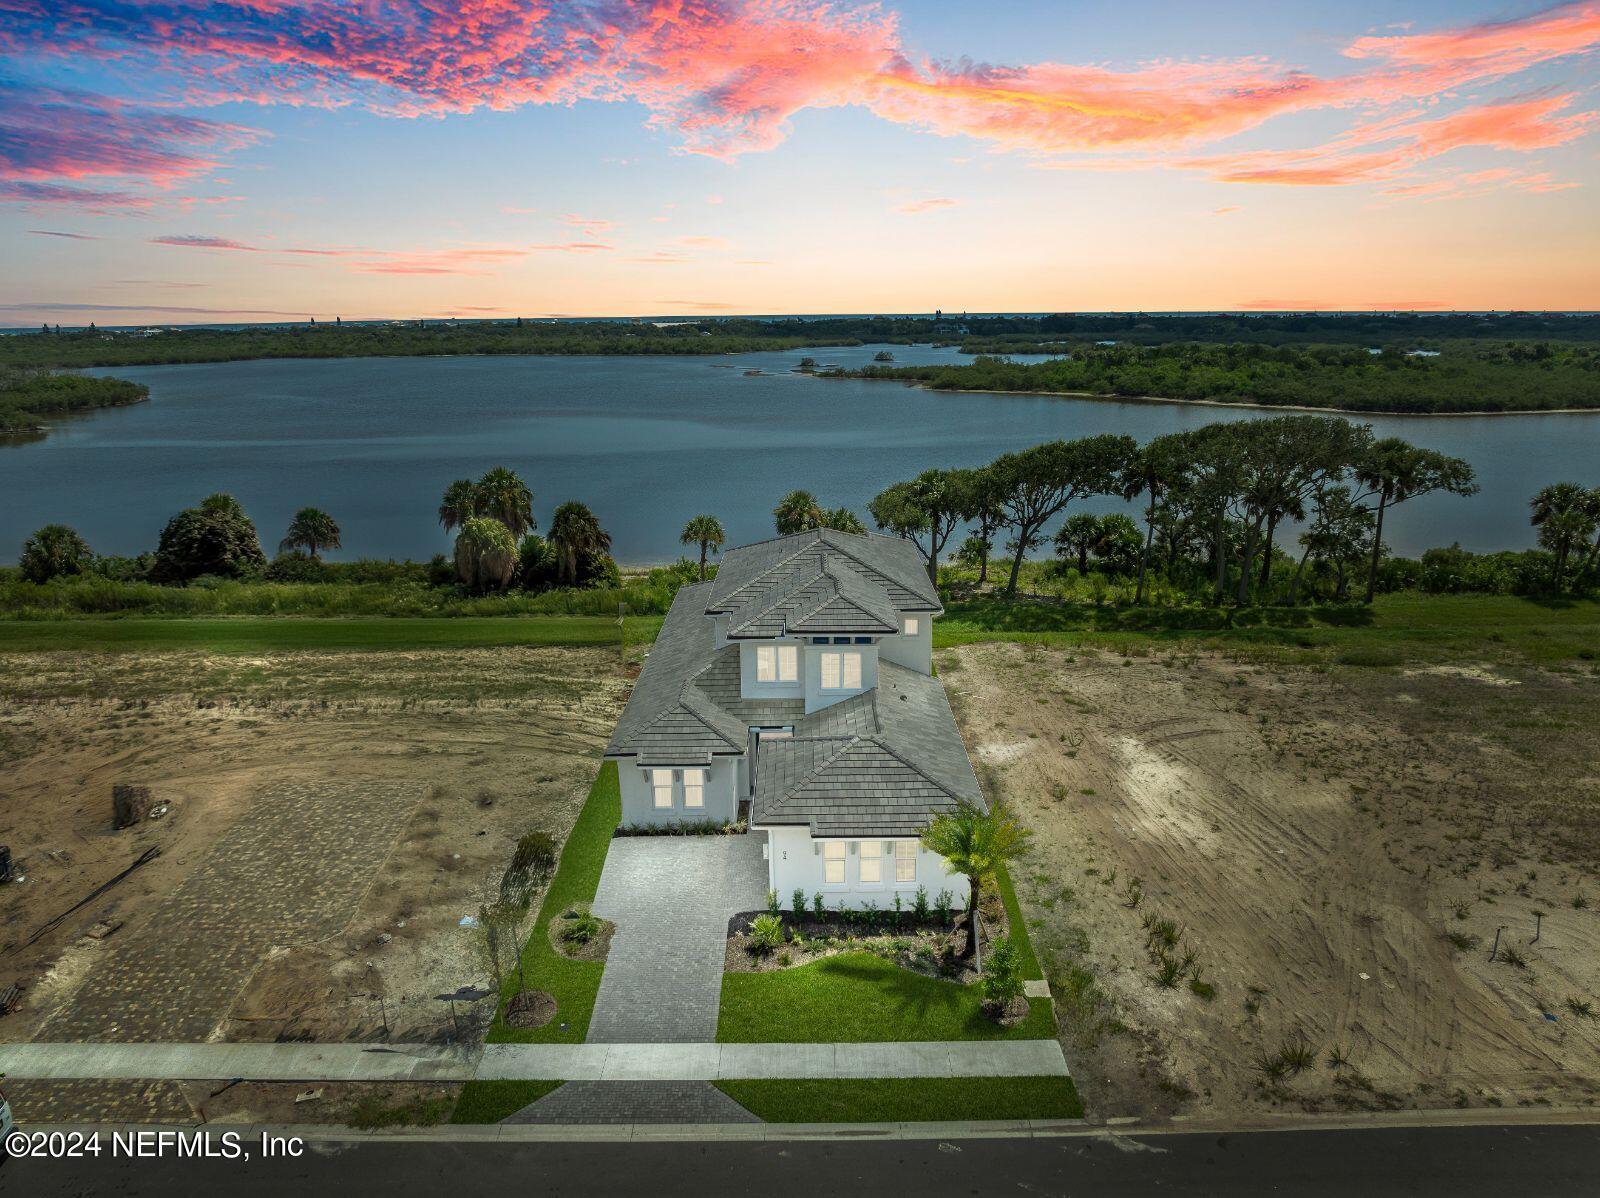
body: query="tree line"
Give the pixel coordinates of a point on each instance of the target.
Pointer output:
(1465, 377)
(29, 397)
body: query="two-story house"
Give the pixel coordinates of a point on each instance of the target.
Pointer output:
(797, 689)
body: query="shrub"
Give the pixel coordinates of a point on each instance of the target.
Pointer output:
(1002, 974)
(216, 538)
(55, 551)
(536, 564)
(942, 907)
(294, 567)
(819, 905)
(766, 934)
(581, 927)
(772, 903)
(798, 899)
(919, 904)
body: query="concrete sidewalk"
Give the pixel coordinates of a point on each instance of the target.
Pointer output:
(563, 1062)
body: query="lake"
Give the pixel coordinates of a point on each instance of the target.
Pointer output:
(646, 442)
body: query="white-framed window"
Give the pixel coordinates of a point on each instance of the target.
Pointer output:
(833, 862)
(694, 788)
(777, 663)
(905, 861)
(912, 625)
(661, 788)
(871, 861)
(841, 671)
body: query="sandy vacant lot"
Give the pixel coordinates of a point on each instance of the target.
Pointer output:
(444, 757)
(1335, 852)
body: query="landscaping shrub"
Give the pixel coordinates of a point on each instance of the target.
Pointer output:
(766, 934)
(1002, 975)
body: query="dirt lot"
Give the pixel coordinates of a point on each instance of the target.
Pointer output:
(453, 753)
(1335, 852)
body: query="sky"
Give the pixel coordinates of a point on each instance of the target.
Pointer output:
(192, 161)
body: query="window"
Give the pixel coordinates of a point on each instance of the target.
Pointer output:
(661, 787)
(905, 861)
(863, 640)
(777, 663)
(841, 640)
(841, 671)
(871, 861)
(694, 788)
(833, 862)
(912, 625)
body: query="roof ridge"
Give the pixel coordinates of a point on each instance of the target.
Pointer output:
(847, 742)
(878, 740)
(921, 575)
(777, 565)
(684, 698)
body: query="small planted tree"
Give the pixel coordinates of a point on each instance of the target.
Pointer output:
(1001, 980)
(976, 843)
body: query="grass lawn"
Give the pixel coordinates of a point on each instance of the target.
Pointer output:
(572, 983)
(906, 1099)
(265, 634)
(492, 1101)
(1019, 930)
(857, 997)
(1405, 626)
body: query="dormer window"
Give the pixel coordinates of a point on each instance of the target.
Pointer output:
(841, 671)
(777, 663)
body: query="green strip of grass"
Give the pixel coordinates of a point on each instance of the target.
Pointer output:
(860, 998)
(492, 1101)
(1019, 930)
(906, 1099)
(1397, 628)
(573, 984)
(247, 634)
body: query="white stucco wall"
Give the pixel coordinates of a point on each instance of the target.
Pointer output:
(912, 652)
(811, 674)
(723, 791)
(793, 861)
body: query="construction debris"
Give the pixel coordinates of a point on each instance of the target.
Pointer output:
(129, 804)
(308, 1096)
(103, 929)
(145, 858)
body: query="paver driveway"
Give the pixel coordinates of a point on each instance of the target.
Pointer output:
(671, 898)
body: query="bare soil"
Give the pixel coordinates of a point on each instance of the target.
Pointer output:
(503, 742)
(1335, 852)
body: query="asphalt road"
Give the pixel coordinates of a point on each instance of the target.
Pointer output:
(1461, 1162)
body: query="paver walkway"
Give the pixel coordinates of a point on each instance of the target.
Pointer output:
(671, 898)
(290, 871)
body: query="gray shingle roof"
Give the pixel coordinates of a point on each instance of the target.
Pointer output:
(749, 572)
(816, 594)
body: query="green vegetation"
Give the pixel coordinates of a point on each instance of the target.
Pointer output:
(857, 997)
(906, 1099)
(573, 984)
(492, 1101)
(1026, 960)
(370, 1113)
(976, 842)
(28, 398)
(1461, 377)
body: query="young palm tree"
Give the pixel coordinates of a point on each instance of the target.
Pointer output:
(798, 511)
(575, 534)
(705, 531)
(506, 498)
(460, 504)
(842, 519)
(976, 844)
(311, 529)
(486, 554)
(1566, 516)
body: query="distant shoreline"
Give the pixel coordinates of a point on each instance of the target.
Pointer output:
(1212, 403)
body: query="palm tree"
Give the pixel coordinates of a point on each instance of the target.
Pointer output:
(976, 844)
(486, 554)
(313, 529)
(1077, 536)
(1565, 515)
(506, 498)
(574, 535)
(460, 504)
(798, 511)
(842, 519)
(705, 531)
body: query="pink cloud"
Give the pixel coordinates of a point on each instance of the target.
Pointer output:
(705, 243)
(919, 206)
(726, 77)
(58, 233)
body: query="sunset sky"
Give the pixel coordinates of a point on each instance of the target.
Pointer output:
(213, 160)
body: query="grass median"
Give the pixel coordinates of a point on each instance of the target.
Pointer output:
(905, 1099)
(573, 984)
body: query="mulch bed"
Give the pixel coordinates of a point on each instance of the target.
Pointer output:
(928, 949)
(594, 950)
(530, 1008)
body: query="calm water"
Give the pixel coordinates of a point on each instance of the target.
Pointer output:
(646, 442)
